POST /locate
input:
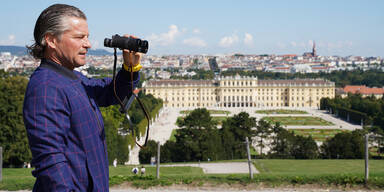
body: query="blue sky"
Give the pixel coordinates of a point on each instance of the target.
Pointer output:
(339, 27)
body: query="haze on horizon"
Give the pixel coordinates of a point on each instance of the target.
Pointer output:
(345, 27)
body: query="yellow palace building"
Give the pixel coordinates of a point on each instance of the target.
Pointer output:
(241, 92)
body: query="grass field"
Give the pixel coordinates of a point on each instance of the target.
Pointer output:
(317, 134)
(298, 120)
(273, 172)
(219, 119)
(172, 137)
(215, 118)
(318, 167)
(281, 111)
(210, 111)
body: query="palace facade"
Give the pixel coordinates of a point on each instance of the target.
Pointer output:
(241, 92)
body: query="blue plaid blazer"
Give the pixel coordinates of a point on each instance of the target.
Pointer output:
(65, 127)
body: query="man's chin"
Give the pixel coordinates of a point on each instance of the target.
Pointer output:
(79, 64)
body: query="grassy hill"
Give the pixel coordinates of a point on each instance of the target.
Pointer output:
(273, 172)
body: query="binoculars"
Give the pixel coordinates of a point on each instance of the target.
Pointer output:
(129, 43)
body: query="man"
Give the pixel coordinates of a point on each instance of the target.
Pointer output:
(64, 124)
(142, 170)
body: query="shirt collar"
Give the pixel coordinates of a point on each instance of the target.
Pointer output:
(48, 64)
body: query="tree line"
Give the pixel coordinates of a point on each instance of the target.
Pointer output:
(370, 78)
(13, 135)
(199, 139)
(368, 111)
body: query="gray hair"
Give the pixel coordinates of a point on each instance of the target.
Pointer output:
(52, 20)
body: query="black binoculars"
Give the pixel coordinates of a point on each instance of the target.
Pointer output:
(129, 43)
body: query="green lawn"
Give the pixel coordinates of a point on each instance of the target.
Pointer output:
(318, 167)
(297, 120)
(273, 172)
(17, 179)
(151, 170)
(215, 118)
(172, 137)
(281, 111)
(210, 111)
(317, 134)
(219, 119)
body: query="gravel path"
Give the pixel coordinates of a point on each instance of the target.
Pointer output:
(234, 190)
(256, 190)
(219, 168)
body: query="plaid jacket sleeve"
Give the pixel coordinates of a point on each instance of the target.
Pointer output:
(102, 90)
(48, 113)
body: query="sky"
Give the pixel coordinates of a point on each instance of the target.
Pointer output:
(338, 27)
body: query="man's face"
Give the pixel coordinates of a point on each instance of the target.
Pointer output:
(73, 44)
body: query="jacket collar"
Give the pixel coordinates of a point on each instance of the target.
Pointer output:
(48, 64)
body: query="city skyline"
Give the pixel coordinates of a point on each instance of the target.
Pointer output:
(219, 27)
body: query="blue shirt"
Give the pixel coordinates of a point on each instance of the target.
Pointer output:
(65, 127)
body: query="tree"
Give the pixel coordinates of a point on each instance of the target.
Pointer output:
(122, 151)
(305, 148)
(283, 143)
(346, 145)
(110, 128)
(197, 119)
(234, 131)
(167, 152)
(263, 131)
(197, 139)
(147, 152)
(13, 135)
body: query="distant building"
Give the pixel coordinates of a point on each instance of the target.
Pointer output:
(213, 65)
(313, 53)
(241, 92)
(363, 90)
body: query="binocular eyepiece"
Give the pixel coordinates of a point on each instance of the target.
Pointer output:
(129, 43)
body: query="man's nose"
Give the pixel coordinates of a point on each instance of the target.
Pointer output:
(87, 44)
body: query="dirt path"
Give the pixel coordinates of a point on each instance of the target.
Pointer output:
(219, 168)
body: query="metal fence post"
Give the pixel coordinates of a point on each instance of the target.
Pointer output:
(158, 161)
(1, 163)
(249, 158)
(366, 158)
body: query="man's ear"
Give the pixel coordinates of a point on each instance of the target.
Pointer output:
(50, 40)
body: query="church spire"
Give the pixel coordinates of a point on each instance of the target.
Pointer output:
(314, 49)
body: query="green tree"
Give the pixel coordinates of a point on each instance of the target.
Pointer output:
(13, 136)
(147, 152)
(263, 132)
(167, 150)
(305, 148)
(110, 126)
(283, 143)
(122, 151)
(197, 139)
(346, 145)
(234, 131)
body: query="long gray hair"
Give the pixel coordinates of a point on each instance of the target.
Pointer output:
(52, 20)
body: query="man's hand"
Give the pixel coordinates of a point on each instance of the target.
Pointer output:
(131, 58)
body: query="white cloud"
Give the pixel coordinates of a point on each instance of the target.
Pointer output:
(336, 45)
(281, 45)
(11, 37)
(9, 41)
(196, 31)
(165, 39)
(294, 44)
(195, 42)
(229, 40)
(248, 39)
